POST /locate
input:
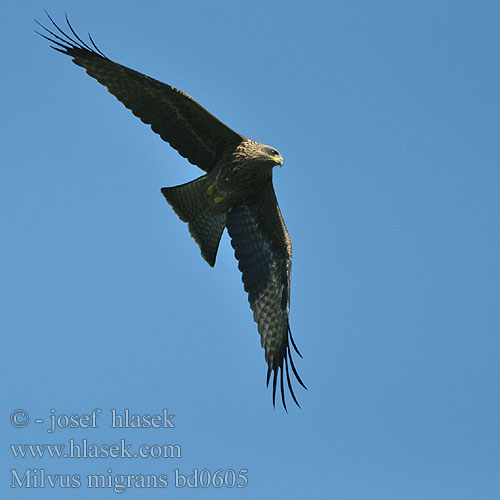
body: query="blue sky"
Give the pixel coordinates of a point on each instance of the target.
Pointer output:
(387, 114)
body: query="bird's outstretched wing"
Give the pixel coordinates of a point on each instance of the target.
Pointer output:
(187, 126)
(264, 252)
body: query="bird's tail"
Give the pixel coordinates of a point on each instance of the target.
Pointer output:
(189, 202)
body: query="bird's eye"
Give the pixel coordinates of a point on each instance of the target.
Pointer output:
(274, 152)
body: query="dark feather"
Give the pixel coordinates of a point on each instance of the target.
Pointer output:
(266, 278)
(187, 126)
(187, 200)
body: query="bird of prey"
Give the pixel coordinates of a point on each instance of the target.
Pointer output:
(236, 191)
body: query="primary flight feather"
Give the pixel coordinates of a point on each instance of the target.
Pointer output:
(235, 193)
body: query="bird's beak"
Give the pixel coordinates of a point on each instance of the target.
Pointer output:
(280, 161)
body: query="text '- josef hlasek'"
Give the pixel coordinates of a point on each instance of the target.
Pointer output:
(117, 419)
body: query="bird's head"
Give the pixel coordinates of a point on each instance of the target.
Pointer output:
(255, 158)
(258, 154)
(269, 154)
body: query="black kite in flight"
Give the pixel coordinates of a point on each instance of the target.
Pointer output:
(236, 192)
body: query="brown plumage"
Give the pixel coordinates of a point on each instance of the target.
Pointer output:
(236, 192)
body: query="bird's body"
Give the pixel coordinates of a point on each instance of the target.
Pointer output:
(238, 176)
(236, 191)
